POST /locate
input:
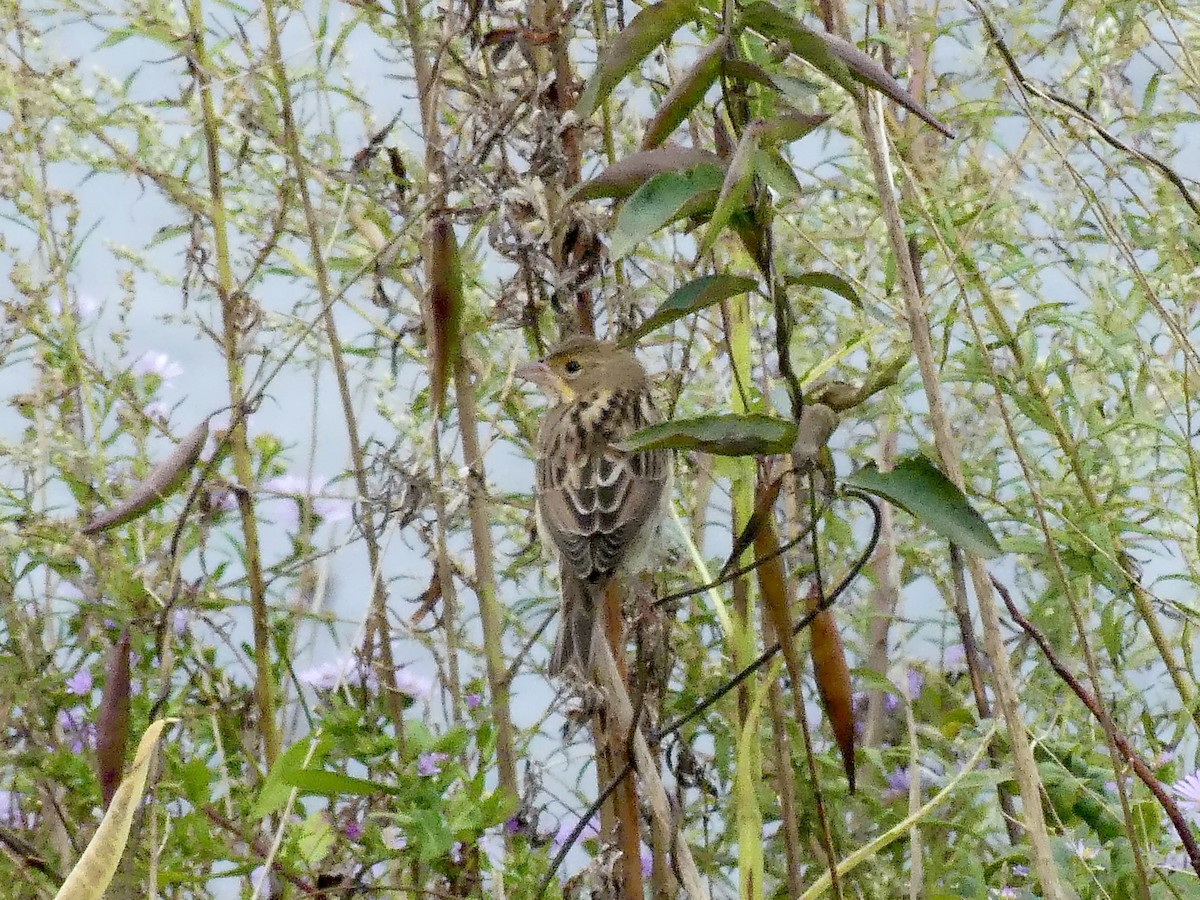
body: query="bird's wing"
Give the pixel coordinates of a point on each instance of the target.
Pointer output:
(594, 499)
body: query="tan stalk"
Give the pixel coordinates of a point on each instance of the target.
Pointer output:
(917, 320)
(300, 168)
(234, 314)
(490, 612)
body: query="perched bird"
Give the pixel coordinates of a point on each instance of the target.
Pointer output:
(598, 507)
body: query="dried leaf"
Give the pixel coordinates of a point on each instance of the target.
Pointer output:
(443, 308)
(164, 479)
(649, 28)
(833, 681)
(92, 874)
(112, 729)
(687, 92)
(837, 58)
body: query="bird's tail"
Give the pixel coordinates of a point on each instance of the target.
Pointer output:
(579, 631)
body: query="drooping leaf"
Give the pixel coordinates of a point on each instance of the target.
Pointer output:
(691, 297)
(164, 479)
(93, 873)
(685, 94)
(796, 89)
(841, 60)
(832, 674)
(788, 127)
(649, 28)
(754, 434)
(661, 200)
(735, 187)
(917, 486)
(829, 282)
(444, 307)
(112, 721)
(626, 175)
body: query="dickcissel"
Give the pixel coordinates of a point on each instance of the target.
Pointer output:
(598, 507)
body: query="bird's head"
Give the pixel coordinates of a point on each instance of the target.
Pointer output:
(581, 366)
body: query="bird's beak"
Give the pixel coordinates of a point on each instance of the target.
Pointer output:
(541, 375)
(537, 372)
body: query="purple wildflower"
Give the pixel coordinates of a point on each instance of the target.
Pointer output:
(897, 785)
(473, 701)
(331, 508)
(76, 729)
(456, 853)
(1021, 870)
(916, 681)
(10, 811)
(80, 684)
(353, 829)
(647, 860)
(263, 882)
(416, 686)
(430, 763)
(330, 675)
(1187, 790)
(590, 832)
(513, 826)
(954, 660)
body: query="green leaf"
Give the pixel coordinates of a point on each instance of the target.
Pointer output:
(661, 200)
(649, 28)
(919, 488)
(331, 784)
(626, 175)
(693, 296)
(685, 94)
(721, 435)
(275, 790)
(829, 282)
(314, 838)
(737, 183)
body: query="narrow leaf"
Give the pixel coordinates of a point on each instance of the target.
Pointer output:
(92, 874)
(331, 784)
(164, 479)
(661, 200)
(444, 306)
(841, 60)
(112, 728)
(692, 297)
(721, 435)
(626, 175)
(919, 488)
(685, 94)
(273, 795)
(735, 187)
(829, 282)
(649, 28)
(832, 675)
(789, 127)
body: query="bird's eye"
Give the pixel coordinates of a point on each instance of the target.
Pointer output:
(572, 366)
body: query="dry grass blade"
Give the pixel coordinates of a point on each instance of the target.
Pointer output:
(92, 874)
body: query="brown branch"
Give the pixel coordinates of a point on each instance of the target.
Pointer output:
(1131, 756)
